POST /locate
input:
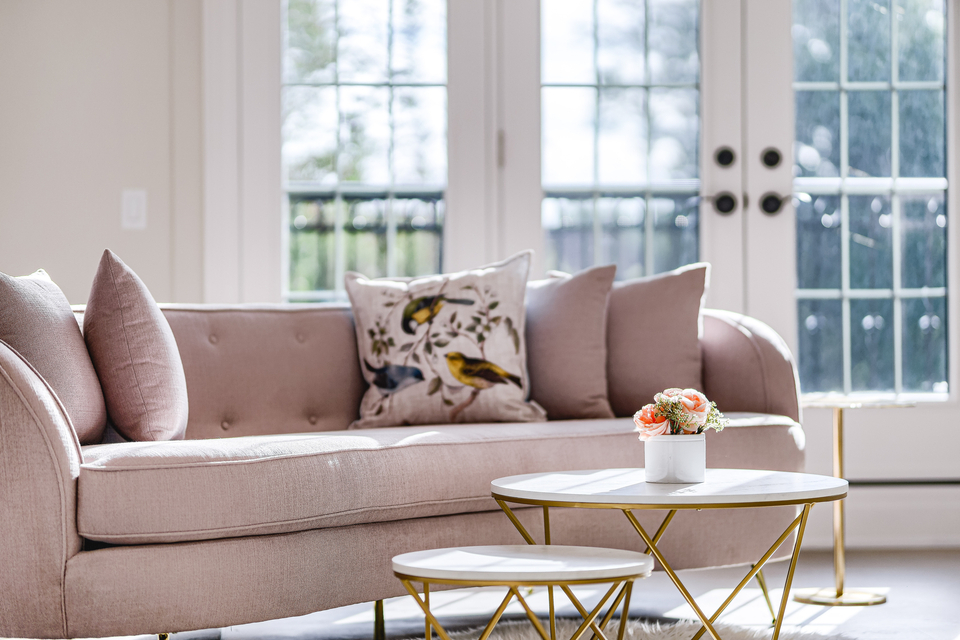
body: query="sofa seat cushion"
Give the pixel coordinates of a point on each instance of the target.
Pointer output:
(155, 492)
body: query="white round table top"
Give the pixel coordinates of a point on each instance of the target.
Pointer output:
(523, 563)
(628, 487)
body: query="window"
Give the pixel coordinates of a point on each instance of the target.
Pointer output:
(364, 140)
(620, 125)
(870, 191)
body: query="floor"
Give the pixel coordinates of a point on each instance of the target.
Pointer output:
(923, 589)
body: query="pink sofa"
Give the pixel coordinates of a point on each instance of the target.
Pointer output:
(271, 508)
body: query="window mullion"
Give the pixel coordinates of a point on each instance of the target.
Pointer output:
(845, 291)
(389, 213)
(339, 214)
(895, 199)
(897, 302)
(649, 215)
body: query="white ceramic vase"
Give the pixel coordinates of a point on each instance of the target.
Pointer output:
(675, 459)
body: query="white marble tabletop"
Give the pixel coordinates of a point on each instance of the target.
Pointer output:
(517, 563)
(628, 486)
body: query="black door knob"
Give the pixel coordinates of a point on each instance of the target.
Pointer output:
(725, 156)
(771, 157)
(725, 203)
(771, 203)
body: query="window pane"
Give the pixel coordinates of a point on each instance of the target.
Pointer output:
(310, 134)
(818, 134)
(869, 133)
(623, 137)
(364, 153)
(364, 135)
(419, 41)
(868, 29)
(568, 224)
(818, 241)
(311, 41)
(673, 51)
(610, 153)
(871, 345)
(674, 134)
(566, 37)
(366, 237)
(922, 134)
(820, 359)
(568, 121)
(419, 223)
(420, 135)
(623, 235)
(871, 242)
(922, 29)
(675, 232)
(362, 50)
(925, 345)
(312, 250)
(816, 40)
(923, 229)
(889, 326)
(620, 54)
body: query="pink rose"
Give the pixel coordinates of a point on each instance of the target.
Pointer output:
(649, 424)
(668, 395)
(696, 408)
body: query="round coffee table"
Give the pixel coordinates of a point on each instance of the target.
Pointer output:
(627, 490)
(513, 566)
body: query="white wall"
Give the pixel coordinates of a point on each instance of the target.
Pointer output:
(99, 96)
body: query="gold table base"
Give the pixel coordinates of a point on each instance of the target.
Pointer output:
(799, 525)
(839, 596)
(622, 588)
(829, 598)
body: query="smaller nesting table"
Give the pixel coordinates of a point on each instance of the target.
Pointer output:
(515, 566)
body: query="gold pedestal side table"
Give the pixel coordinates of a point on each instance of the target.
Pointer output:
(840, 596)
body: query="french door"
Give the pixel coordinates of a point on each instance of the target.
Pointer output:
(747, 214)
(827, 153)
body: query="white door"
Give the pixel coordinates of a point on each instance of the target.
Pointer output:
(852, 269)
(747, 139)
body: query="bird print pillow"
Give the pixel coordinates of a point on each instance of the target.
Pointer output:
(443, 349)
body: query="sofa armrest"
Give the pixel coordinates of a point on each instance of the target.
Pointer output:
(39, 465)
(747, 366)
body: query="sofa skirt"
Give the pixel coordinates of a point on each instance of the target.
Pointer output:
(128, 590)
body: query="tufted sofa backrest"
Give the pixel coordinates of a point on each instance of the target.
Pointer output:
(265, 369)
(294, 368)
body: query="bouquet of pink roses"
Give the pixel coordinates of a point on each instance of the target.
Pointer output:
(678, 412)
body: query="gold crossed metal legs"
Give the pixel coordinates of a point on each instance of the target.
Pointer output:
(623, 588)
(798, 524)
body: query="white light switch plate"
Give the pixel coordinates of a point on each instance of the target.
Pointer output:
(134, 209)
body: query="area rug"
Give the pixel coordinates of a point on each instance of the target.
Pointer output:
(637, 630)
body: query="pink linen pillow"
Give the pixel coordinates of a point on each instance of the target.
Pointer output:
(36, 321)
(135, 355)
(653, 336)
(567, 343)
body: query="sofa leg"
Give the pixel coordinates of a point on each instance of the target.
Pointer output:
(163, 636)
(379, 628)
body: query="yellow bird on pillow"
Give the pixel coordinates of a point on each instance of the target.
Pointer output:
(477, 373)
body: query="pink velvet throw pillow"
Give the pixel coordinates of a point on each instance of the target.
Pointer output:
(37, 322)
(653, 336)
(567, 343)
(135, 355)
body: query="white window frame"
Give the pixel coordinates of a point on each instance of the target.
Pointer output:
(494, 193)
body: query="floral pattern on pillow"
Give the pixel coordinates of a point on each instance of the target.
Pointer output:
(443, 349)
